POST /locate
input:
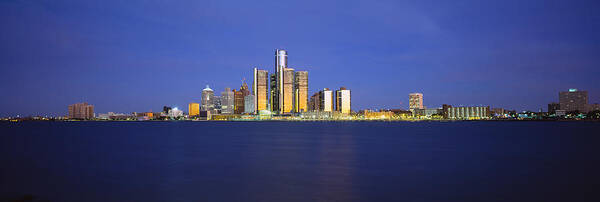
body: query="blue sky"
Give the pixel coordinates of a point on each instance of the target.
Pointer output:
(126, 56)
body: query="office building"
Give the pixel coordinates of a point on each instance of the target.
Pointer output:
(593, 107)
(175, 113)
(260, 89)
(552, 107)
(342, 100)
(239, 96)
(573, 100)
(415, 101)
(313, 103)
(193, 109)
(81, 111)
(326, 100)
(207, 99)
(249, 104)
(283, 88)
(467, 112)
(301, 91)
(227, 101)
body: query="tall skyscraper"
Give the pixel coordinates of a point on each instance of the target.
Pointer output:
(283, 88)
(323, 101)
(342, 100)
(81, 111)
(573, 100)
(249, 104)
(193, 109)
(260, 89)
(239, 96)
(301, 91)
(415, 101)
(207, 99)
(227, 101)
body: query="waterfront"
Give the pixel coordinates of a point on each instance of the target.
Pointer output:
(300, 161)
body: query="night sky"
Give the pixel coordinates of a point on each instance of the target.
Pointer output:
(126, 56)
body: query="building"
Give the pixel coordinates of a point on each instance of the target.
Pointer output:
(313, 103)
(238, 102)
(207, 99)
(227, 101)
(217, 104)
(249, 107)
(260, 89)
(193, 109)
(552, 107)
(573, 100)
(325, 101)
(415, 101)
(239, 96)
(466, 112)
(175, 113)
(81, 111)
(283, 88)
(301, 91)
(378, 115)
(593, 107)
(342, 100)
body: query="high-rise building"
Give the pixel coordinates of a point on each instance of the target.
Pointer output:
(326, 100)
(313, 103)
(573, 100)
(239, 103)
(193, 109)
(415, 101)
(282, 85)
(81, 111)
(227, 101)
(249, 104)
(217, 104)
(552, 107)
(260, 89)
(207, 99)
(301, 91)
(342, 100)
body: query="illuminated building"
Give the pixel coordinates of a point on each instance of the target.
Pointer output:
(467, 112)
(594, 107)
(193, 109)
(283, 88)
(207, 99)
(342, 100)
(81, 111)
(249, 104)
(273, 93)
(378, 115)
(552, 107)
(227, 101)
(326, 99)
(260, 88)
(573, 100)
(175, 113)
(239, 98)
(415, 101)
(313, 103)
(301, 91)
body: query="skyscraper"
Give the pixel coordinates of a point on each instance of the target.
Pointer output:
(249, 104)
(81, 111)
(260, 89)
(193, 109)
(415, 101)
(342, 100)
(239, 96)
(207, 99)
(573, 100)
(227, 101)
(301, 91)
(323, 101)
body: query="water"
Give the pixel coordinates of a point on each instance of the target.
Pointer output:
(300, 161)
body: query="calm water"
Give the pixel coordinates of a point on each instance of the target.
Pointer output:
(308, 161)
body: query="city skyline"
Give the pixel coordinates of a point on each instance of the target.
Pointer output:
(124, 60)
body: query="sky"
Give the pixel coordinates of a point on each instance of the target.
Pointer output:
(136, 56)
